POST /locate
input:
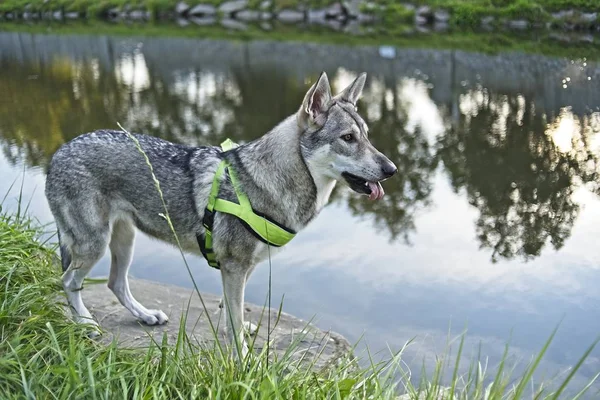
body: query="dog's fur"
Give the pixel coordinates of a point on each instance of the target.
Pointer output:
(100, 189)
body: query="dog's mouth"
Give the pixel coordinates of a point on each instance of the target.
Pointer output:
(363, 186)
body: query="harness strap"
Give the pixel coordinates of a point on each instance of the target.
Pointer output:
(264, 228)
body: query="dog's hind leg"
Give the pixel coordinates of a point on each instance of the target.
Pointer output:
(121, 249)
(79, 255)
(234, 282)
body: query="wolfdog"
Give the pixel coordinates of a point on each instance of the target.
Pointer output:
(100, 188)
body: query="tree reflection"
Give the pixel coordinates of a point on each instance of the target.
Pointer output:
(515, 174)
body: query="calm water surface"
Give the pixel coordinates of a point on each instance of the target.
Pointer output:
(492, 222)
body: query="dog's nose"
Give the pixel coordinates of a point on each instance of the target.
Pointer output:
(389, 169)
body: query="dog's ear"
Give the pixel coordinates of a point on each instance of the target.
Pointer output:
(353, 92)
(316, 103)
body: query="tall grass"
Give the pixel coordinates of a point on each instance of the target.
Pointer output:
(43, 355)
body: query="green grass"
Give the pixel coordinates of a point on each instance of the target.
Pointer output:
(44, 355)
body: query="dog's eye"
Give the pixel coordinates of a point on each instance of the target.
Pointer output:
(348, 137)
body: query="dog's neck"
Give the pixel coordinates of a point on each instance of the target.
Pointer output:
(289, 184)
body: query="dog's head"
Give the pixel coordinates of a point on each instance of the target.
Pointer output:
(335, 140)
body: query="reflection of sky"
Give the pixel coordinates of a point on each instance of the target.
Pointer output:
(355, 280)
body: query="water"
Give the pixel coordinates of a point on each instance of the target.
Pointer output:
(491, 223)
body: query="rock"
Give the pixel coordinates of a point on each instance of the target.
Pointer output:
(317, 16)
(366, 18)
(265, 26)
(232, 24)
(248, 15)
(353, 27)
(72, 15)
(112, 13)
(519, 24)
(335, 10)
(424, 11)
(266, 5)
(229, 7)
(421, 20)
(203, 9)
(441, 16)
(563, 14)
(137, 15)
(588, 18)
(183, 22)
(9, 16)
(58, 15)
(441, 26)
(290, 16)
(265, 15)
(181, 8)
(352, 7)
(203, 21)
(486, 21)
(322, 348)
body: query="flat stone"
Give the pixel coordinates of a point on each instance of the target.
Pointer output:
(182, 7)
(519, 24)
(57, 15)
(137, 15)
(424, 11)
(183, 22)
(72, 15)
(266, 5)
(352, 7)
(248, 15)
(334, 10)
(290, 16)
(441, 26)
(563, 14)
(318, 16)
(487, 20)
(421, 20)
(588, 17)
(203, 9)
(441, 16)
(265, 26)
(232, 24)
(325, 348)
(233, 6)
(203, 21)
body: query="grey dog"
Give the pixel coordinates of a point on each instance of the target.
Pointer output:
(100, 188)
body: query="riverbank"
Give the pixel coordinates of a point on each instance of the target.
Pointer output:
(358, 17)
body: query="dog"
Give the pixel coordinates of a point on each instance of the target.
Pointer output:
(100, 189)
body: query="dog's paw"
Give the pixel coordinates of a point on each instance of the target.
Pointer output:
(155, 317)
(94, 333)
(250, 328)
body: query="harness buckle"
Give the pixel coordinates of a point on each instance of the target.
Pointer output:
(209, 219)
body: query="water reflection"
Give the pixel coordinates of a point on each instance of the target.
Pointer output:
(520, 168)
(518, 163)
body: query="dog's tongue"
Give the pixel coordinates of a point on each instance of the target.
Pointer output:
(376, 190)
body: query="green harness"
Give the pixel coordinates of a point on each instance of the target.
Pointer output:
(265, 229)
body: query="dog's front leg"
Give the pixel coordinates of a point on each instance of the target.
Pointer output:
(234, 282)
